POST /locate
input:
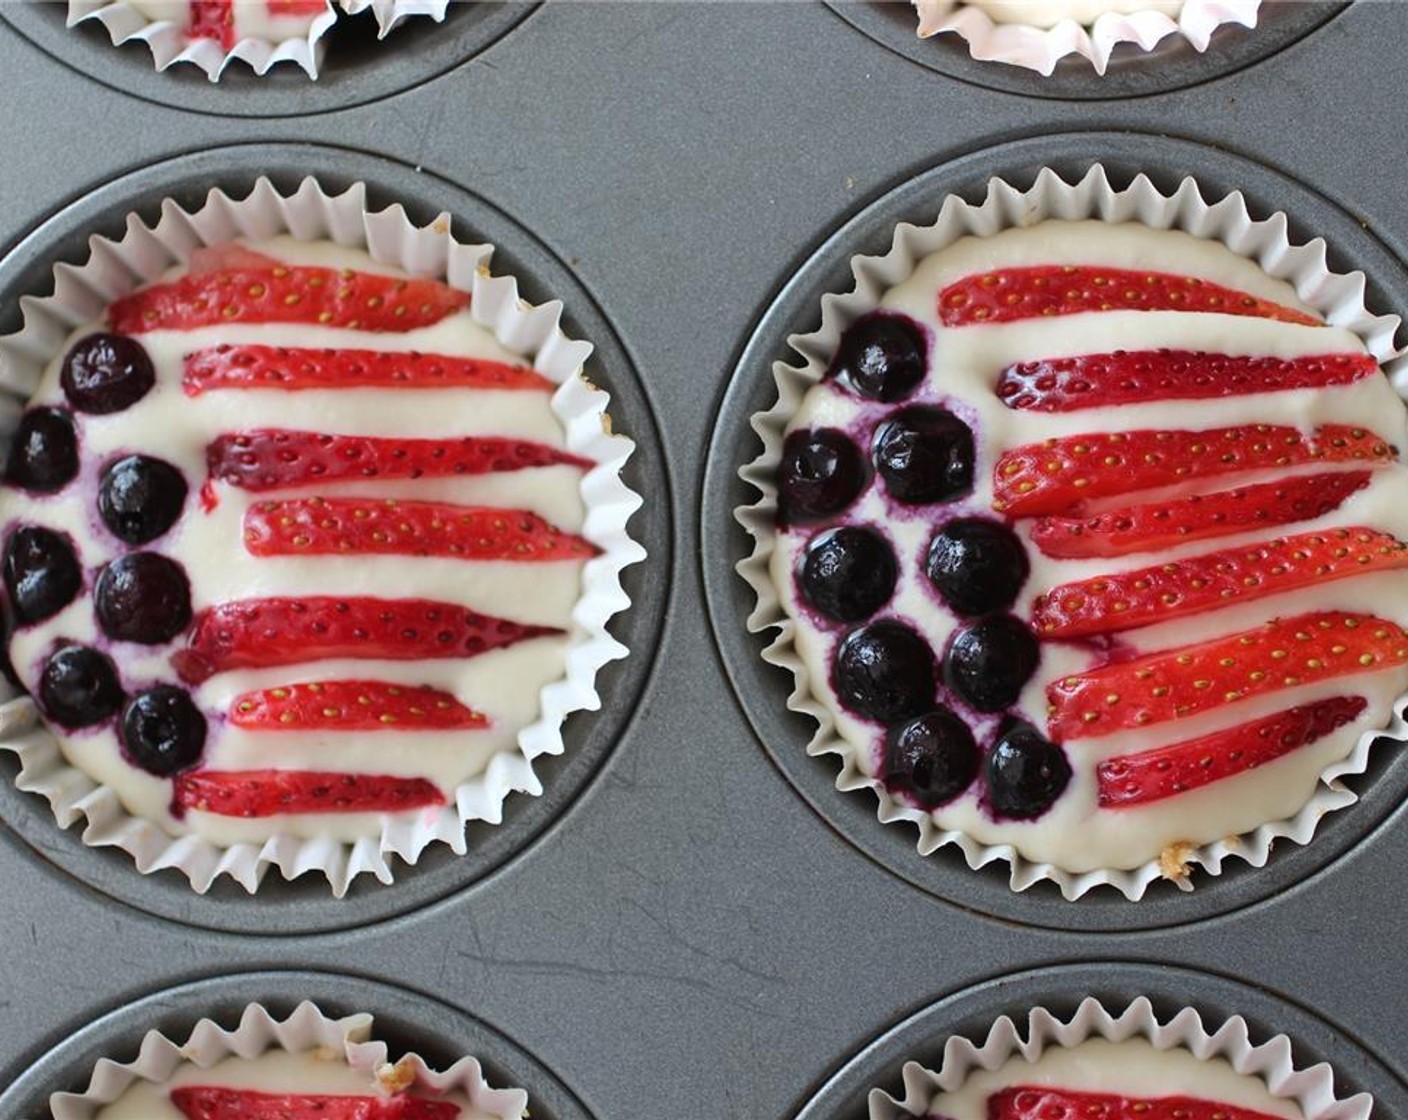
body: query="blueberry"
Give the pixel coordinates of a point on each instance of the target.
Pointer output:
(143, 597)
(106, 373)
(882, 356)
(885, 672)
(1024, 773)
(42, 574)
(933, 758)
(140, 498)
(848, 574)
(821, 473)
(989, 662)
(163, 731)
(924, 455)
(44, 454)
(79, 687)
(977, 566)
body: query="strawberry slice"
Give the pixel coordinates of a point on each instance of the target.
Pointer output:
(292, 369)
(263, 633)
(267, 793)
(297, 7)
(1171, 684)
(273, 459)
(287, 293)
(1032, 1102)
(1137, 779)
(352, 706)
(1059, 475)
(340, 526)
(213, 19)
(214, 1102)
(1108, 604)
(1010, 294)
(1158, 525)
(1124, 377)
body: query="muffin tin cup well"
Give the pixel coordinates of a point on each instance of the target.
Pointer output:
(1173, 63)
(586, 743)
(357, 66)
(1259, 1031)
(1125, 157)
(405, 1022)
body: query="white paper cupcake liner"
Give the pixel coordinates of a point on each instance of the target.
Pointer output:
(1338, 297)
(143, 254)
(1040, 49)
(348, 1039)
(390, 14)
(169, 44)
(1312, 1088)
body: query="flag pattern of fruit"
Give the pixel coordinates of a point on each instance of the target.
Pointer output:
(376, 565)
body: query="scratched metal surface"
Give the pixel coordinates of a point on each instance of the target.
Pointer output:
(686, 936)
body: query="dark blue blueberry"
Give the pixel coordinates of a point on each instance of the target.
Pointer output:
(42, 574)
(1024, 773)
(991, 661)
(885, 672)
(163, 731)
(924, 455)
(105, 373)
(821, 473)
(44, 454)
(140, 498)
(79, 687)
(882, 356)
(848, 574)
(933, 758)
(143, 597)
(977, 566)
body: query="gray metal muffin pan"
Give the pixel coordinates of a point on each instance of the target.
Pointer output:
(691, 923)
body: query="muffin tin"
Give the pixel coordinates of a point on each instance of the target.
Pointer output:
(691, 922)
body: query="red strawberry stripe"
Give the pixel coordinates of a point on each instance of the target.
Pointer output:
(1137, 779)
(292, 370)
(267, 793)
(1010, 294)
(1159, 525)
(297, 7)
(1060, 475)
(1172, 684)
(1125, 600)
(1098, 380)
(271, 459)
(287, 294)
(263, 633)
(1031, 1102)
(352, 706)
(213, 19)
(355, 526)
(213, 1102)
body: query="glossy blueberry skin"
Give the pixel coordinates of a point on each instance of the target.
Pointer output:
(977, 566)
(1024, 774)
(882, 356)
(104, 373)
(140, 498)
(42, 573)
(990, 662)
(79, 687)
(848, 574)
(44, 454)
(162, 731)
(143, 597)
(924, 455)
(822, 472)
(932, 758)
(885, 672)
